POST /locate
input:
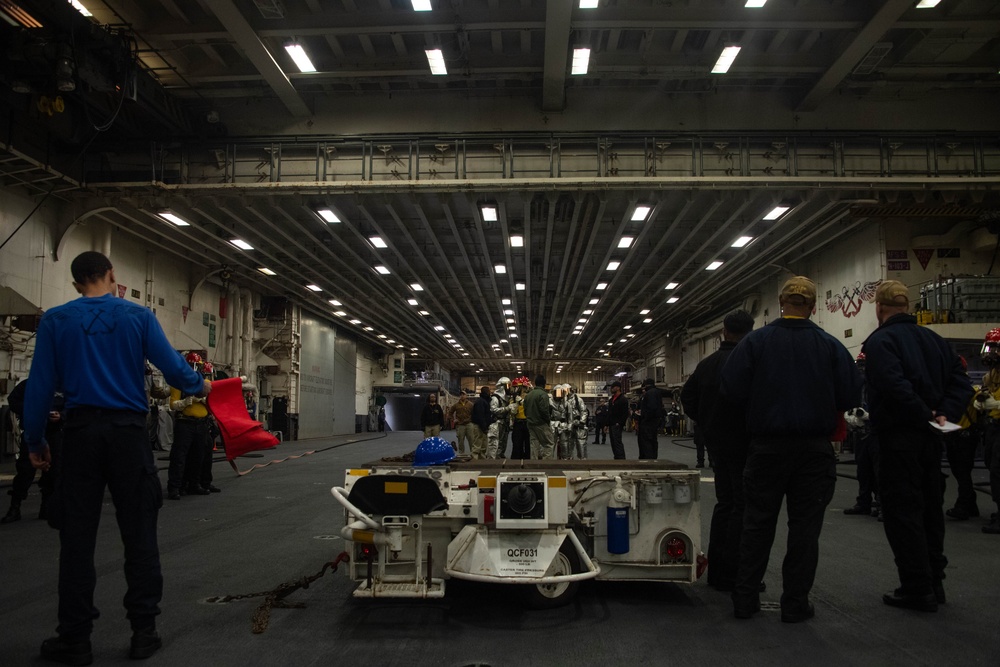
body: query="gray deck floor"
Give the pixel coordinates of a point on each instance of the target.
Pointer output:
(280, 522)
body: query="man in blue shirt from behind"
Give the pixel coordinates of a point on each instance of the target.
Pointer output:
(94, 349)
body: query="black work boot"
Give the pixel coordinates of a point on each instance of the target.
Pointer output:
(145, 643)
(13, 514)
(57, 649)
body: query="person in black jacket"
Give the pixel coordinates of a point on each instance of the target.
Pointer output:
(651, 413)
(617, 416)
(25, 471)
(432, 417)
(724, 434)
(795, 381)
(482, 417)
(915, 382)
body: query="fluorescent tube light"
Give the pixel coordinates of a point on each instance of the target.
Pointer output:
(640, 213)
(644, 311)
(726, 59)
(602, 286)
(416, 287)
(927, 4)
(266, 271)
(673, 299)
(713, 266)
(742, 241)
(421, 5)
(412, 302)
(588, 4)
(516, 241)
(314, 288)
(377, 242)
(436, 60)
(489, 213)
(777, 212)
(382, 269)
(78, 6)
(672, 286)
(753, 4)
(500, 268)
(174, 219)
(328, 215)
(241, 244)
(334, 302)
(625, 242)
(581, 60)
(298, 55)
(613, 266)
(519, 287)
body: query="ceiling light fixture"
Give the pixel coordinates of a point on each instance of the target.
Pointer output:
(625, 242)
(412, 302)
(753, 4)
(174, 219)
(726, 59)
(416, 287)
(266, 271)
(644, 311)
(581, 61)
(647, 320)
(500, 268)
(777, 212)
(505, 302)
(421, 5)
(714, 265)
(423, 313)
(602, 286)
(78, 6)
(927, 4)
(382, 269)
(377, 242)
(436, 61)
(439, 328)
(334, 302)
(594, 302)
(300, 57)
(640, 213)
(673, 299)
(588, 4)
(613, 266)
(341, 313)
(519, 287)
(742, 241)
(489, 212)
(241, 244)
(516, 241)
(327, 215)
(672, 286)
(355, 321)
(314, 288)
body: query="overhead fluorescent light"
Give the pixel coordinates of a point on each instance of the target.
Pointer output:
(17, 16)
(588, 312)
(412, 302)
(341, 313)
(266, 271)
(489, 212)
(300, 58)
(581, 60)
(726, 59)
(593, 302)
(588, 4)
(314, 288)
(622, 340)
(389, 340)
(328, 215)
(742, 241)
(516, 241)
(439, 328)
(640, 213)
(504, 340)
(713, 266)
(241, 244)
(512, 328)
(627, 327)
(423, 313)
(377, 242)
(777, 212)
(381, 335)
(421, 5)
(602, 286)
(672, 286)
(500, 268)
(78, 6)
(368, 329)
(505, 302)
(576, 333)
(174, 219)
(510, 320)
(416, 287)
(582, 320)
(613, 266)
(625, 242)
(519, 287)
(673, 299)
(508, 312)
(512, 335)
(382, 269)
(334, 302)
(753, 4)
(355, 321)
(647, 320)
(644, 311)
(436, 60)
(927, 4)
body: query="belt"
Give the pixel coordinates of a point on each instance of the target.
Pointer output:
(89, 411)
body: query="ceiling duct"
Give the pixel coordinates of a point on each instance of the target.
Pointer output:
(873, 58)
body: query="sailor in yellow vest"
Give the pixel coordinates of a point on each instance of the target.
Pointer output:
(191, 436)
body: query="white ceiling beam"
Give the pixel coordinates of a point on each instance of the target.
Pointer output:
(880, 23)
(241, 31)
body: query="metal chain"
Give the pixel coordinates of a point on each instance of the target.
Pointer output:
(275, 598)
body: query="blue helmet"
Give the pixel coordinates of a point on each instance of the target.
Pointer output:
(433, 451)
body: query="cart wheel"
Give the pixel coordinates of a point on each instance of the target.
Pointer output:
(550, 596)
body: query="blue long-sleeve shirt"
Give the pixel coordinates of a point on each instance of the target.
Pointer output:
(94, 349)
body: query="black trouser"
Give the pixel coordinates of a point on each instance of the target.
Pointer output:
(727, 517)
(520, 440)
(649, 446)
(107, 448)
(803, 472)
(699, 448)
(866, 458)
(198, 470)
(617, 446)
(961, 450)
(912, 505)
(601, 434)
(190, 436)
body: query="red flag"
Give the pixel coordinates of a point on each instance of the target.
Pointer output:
(239, 433)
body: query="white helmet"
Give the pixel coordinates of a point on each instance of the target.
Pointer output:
(504, 381)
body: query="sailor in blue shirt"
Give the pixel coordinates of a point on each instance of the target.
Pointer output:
(94, 350)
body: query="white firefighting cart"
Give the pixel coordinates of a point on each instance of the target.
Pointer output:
(544, 524)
